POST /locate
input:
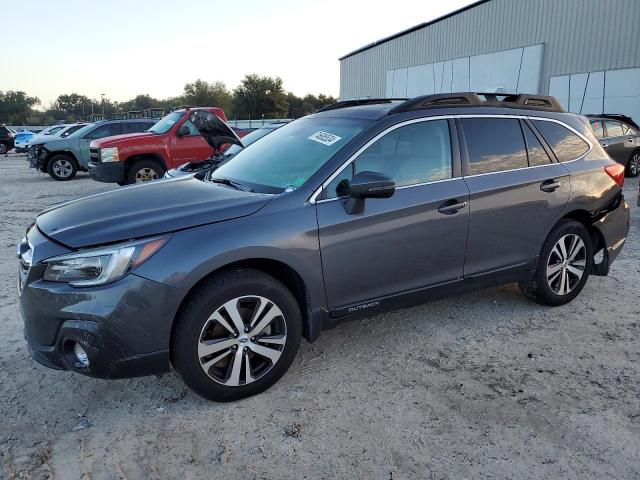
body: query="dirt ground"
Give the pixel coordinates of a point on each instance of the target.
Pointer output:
(488, 385)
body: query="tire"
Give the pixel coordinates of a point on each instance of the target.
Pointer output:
(220, 373)
(633, 165)
(3, 148)
(548, 288)
(144, 171)
(62, 167)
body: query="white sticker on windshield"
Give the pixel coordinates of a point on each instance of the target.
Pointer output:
(324, 138)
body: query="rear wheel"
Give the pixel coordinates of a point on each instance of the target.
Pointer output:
(633, 166)
(3, 148)
(236, 336)
(564, 265)
(144, 171)
(62, 167)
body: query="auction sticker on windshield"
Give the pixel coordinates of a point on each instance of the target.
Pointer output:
(324, 138)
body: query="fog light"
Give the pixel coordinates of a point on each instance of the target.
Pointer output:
(81, 355)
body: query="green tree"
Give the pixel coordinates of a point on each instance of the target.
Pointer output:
(74, 105)
(257, 96)
(205, 94)
(16, 106)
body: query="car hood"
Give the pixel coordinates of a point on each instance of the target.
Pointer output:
(116, 140)
(214, 130)
(143, 210)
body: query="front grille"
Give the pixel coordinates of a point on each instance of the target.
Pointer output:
(94, 155)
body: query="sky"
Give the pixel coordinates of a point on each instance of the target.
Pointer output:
(124, 48)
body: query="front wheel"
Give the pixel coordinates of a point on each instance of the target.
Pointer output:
(62, 167)
(144, 171)
(564, 265)
(236, 336)
(633, 166)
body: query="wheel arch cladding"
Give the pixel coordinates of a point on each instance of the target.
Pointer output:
(597, 240)
(154, 157)
(277, 269)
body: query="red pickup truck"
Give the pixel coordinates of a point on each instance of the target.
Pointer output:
(140, 157)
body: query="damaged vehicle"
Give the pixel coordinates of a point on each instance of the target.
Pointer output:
(63, 156)
(217, 159)
(363, 207)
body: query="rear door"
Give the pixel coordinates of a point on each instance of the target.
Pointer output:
(405, 242)
(517, 191)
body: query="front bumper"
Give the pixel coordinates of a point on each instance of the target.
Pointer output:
(614, 228)
(111, 172)
(124, 326)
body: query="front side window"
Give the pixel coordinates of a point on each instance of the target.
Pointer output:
(411, 154)
(285, 159)
(192, 128)
(494, 144)
(566, 145)
(103, 131)
(614, 129)
(598, 128)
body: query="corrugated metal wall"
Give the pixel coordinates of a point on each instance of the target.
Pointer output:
(578, 36)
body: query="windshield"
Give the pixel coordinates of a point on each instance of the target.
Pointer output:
(165, 123)
(70, 130)
(286, 158)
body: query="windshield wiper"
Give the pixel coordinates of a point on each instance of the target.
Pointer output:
(231, 183)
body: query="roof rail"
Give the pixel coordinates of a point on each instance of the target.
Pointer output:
(357, 102)
(472, 99)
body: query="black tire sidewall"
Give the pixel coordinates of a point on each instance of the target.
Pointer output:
(137, 166)
(543, 290)
(184, 342)
(62, 157)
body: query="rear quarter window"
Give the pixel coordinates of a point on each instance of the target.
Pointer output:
(566, 145)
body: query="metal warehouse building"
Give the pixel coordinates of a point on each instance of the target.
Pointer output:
(584, 52)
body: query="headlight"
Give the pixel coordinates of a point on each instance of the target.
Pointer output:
(102, 265)
(109, 155)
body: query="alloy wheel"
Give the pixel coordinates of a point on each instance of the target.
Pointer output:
(146, 174)
(242, 340)
(62, 168)
(3, 149)
(566, 264)
(634, 164)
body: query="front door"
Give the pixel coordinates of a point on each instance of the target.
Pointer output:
(409, 241)
(188, 148)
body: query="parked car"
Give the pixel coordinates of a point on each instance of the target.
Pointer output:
(62, 132)
(619, 135)
(63, 157)
(171, 142)
(22, 137)
(350, 211)
(218, 159)
(46, 134)
(6, 139)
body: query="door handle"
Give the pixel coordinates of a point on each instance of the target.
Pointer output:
(450, 207)
(630, 139)
(605, 145)
(550, 186)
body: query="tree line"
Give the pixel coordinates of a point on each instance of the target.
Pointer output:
(256, 97)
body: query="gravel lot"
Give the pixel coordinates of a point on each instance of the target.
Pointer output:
(487, 385)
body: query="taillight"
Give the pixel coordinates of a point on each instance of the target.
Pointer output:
(616, 172)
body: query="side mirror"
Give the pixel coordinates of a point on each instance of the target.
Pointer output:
(367, 185)
(183, 131)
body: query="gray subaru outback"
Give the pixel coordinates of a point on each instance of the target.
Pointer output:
(362, 207)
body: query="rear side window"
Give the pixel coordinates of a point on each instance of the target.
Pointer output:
(412, 154)
(535, 150)
(565, 144)
(614, 129)
(494, 144)
(102, 131)
(598, 128)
